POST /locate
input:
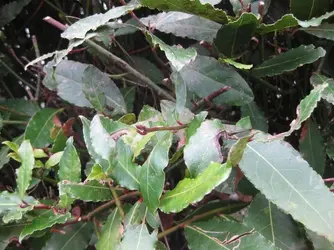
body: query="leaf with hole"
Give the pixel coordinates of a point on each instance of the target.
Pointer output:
(276, 169)
(189, 191)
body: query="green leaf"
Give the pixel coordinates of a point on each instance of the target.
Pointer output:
(101, 91)
(276, 226)
(306, 9)
(9, 11)
(206, 75)
(304, 110)
(138, 213)
(152, 176)
(189, 191)
(54, 159)
(4, 159)
(236, 34)
(148, 68)
(319, 242)
(39, 153)
(235, 64)
(286, 21)
(38, 130)
(86, 134)
(77, 236)
(237, 150)
(328, 93)
(258, 120)
(171, 117)
(312, 148)
(315, 21)
(25, 108)
(97, 173)
(129, 95)
(325, 30)
(24, 172)
(91, 191)
(289, 61)
(195, 124)
(180, 91)
(10, 206)
(138, 237)
(70, 165)
(111, 232)
(183, 25)
(218, 233)
(60, 142)
(194, 7)
(266, 166)
(79, 29)
(203, 147)
(244, 123)
(43, 221)
(125, 171)
(178, 56)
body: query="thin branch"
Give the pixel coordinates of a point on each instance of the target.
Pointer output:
(117, 201)
(329, 180)
(143, 130)
(207, 100)
(38, 54)
(117, 61)
(3, 108)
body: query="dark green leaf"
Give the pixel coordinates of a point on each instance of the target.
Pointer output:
(129, 96)
(178, 56)
(319, 242)
(180, 91)
(203, 147)
(38, 130)
(111, 232)
(325, 30)
(183, 25)
(289, 61)
(192, 7)
(125, 171)
(195, 124)
(138, 237)
(312, 148)
(79, 29)
(43, 221)
(8, 232)
(70, 165)
(60, 142)
(9, 11)
(77, 236)
(306, 9)
(91, 191)
(190, 191)
(276, 226)
(24, 172)
(206, 75)
(101, 91)
(218, 234)
(256, 116)
(287, 21)
(152, 176)
(148, 68)
(267, 167)
(24, 108)
(235, 35)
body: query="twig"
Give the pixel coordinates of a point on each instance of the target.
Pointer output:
(329, 180)
(117, 61)
(13, 111)
(8, 122)
(143, 130)
(212, 96)
(38, 54)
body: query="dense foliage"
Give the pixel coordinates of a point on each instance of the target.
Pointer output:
(155, 124)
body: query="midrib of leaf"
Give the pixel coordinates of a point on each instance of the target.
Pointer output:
(271, 222)
(141, 229)
(311, 11)
(111, 224)
(39, 133)
(133, 177)
(69, 240)
(278, 64)
(211, 238)
(308, 105)
(133, 213)
(186, 191)
(288, 184)
(85, 185)
(310, 143)
(235, 37)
